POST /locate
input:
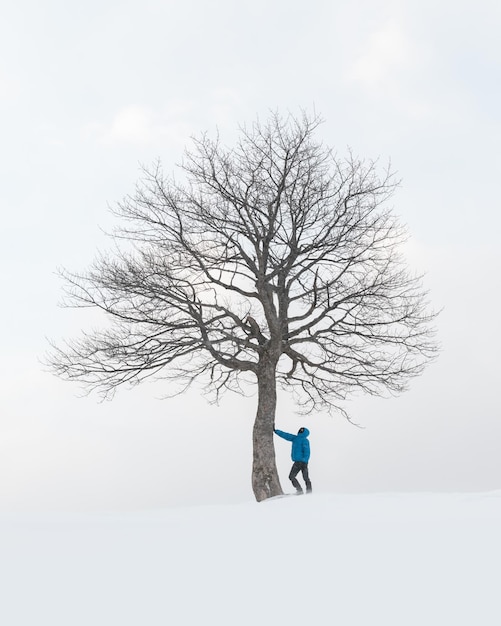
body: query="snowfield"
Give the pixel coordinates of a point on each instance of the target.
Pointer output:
(383, 559)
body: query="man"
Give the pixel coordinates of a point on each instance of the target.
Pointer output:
(300, 456)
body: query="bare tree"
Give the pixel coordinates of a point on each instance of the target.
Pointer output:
(274, 262)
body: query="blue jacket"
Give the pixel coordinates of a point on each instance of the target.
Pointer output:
(300, 445)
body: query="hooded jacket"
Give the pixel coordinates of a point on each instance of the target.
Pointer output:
(300, 445)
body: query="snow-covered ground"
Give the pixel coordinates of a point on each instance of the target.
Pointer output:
(365, 560)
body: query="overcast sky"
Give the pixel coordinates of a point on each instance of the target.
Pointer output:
(89, 91)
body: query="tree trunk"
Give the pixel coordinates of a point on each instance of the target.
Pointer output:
(265, 481)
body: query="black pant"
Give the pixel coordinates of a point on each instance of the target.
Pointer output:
(303, 468)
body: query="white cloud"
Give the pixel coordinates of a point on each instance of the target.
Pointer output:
(9, 88)
(224, 101)
(143, 125)
(133, 124)
(391, 67)
(173, 125)
(386, 53)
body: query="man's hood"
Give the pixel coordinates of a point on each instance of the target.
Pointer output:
(305, 433)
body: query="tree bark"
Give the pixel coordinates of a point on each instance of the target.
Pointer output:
(265, 480)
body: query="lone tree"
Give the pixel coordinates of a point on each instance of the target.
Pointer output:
(274, 262)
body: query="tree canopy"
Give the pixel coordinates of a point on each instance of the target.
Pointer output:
(274, 260)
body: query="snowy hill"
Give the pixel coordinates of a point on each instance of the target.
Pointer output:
(392, 559)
